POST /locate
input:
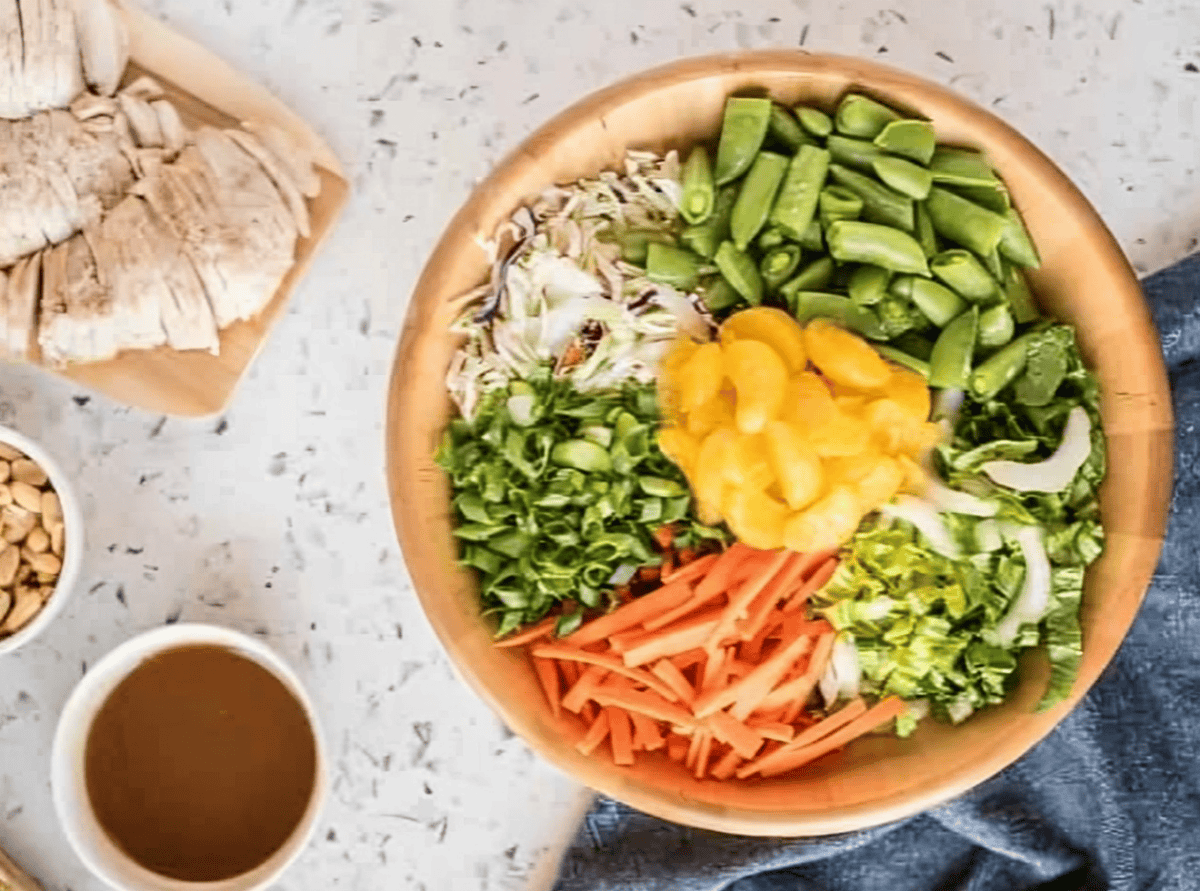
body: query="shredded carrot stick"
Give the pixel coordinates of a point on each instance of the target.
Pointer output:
(700, 766)
(666, 672)
(727, 766)
(646, 735)
(693, 751)
(581, 691)
(774, 591)
(710, 587)
(736, 608)
(689, 571)
(750, 691)
(842, 717)
(644, 702)
(688, 658)
(570, 672)
(711, 677)
(733, 732)
(663, 536)
(799, 689)
(775, 730)
(876, 716)
(623, 640)
(633, 613)
(811, 585)
(607, 660)
(670, 641)
(595, 735)
(547, 673)
(620, 735)
(534, 632)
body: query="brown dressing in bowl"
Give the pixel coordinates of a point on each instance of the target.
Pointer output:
(200, 764)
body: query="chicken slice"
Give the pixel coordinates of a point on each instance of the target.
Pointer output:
(279, 176)
(294, 158)
(103, 43)
(137, 287)
(12, 77)
(64, 53)
(174, 133)
(3, 311)
(142, 120)
(23, 289)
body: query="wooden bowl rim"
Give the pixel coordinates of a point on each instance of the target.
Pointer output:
(500, 182)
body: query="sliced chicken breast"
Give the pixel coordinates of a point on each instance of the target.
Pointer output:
(287, 188)
(23, 289)
(103, 43)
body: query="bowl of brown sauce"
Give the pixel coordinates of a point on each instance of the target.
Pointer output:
(189, 756)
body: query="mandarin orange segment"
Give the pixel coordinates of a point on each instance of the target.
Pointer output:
(699, 378)
(755, 517)
(759, 377)
(910, 390)
(843, 357)
(774, 327)
(680, 447)
(796, 465)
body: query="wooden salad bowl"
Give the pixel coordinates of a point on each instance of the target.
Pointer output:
(1084, 280)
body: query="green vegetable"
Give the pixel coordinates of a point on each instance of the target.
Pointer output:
(635, 243)
(812, 239)
(859, 115)
(673, 266)
(698, 191)
(837, 203)
(545, 511)
(756, 197)
(1047, 360)
(813, 277)
(912, 363)
(861, 154)
(911, 139)
(950, 364)
(784, 129)
(996, 327)
(743, 129)
(904, 176)
(796, 204)
(924, 230)
(809, 305)
(880, 204)
(854, 241)
(868, 284)
(1000, 369)
(704, 238)
(741, 271)
(814, 120)
(1015, 243)
(779, 264)
(1019, 297)
(719, 295)
(937, 302)
(963, 272)
(963, 221)
(961, 167)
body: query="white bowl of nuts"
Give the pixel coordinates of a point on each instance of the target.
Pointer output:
(41, 539)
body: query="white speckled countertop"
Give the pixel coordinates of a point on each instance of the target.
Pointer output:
(273, 518)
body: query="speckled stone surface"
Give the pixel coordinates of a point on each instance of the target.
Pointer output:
(273, 518)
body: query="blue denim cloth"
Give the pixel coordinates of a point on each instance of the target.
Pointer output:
(1110, 799)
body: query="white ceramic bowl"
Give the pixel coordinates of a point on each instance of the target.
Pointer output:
(68, 783)
(72, 540)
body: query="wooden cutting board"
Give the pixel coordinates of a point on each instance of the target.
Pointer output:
(206, 90)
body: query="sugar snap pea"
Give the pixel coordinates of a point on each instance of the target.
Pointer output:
(809, 305)
(859, 115)
(860, 154)
(903, 359)
(813, 237)
(706, 237)
(674, 266)
(814, 120)
(923, 226)
(880, 204)
(854, 241)
(756, 197)
(915, 345)
(935, 301)
(994, 197)
(868, 284)
(963, 221)
(796, 204)
(994, 264)
(813, 277)
(911, 139)
(1018, 295)
(963, 272)
(718, 294)
(838, 203)
(904, 176)
(743, 129)
(1015, 243)
(635, 242)
(996, 327)
(1000, 369)
(961, 167)
(740, 271)
(779, 264)
(770, 237)
(698, 192)
(950, 362)
(784, 129)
